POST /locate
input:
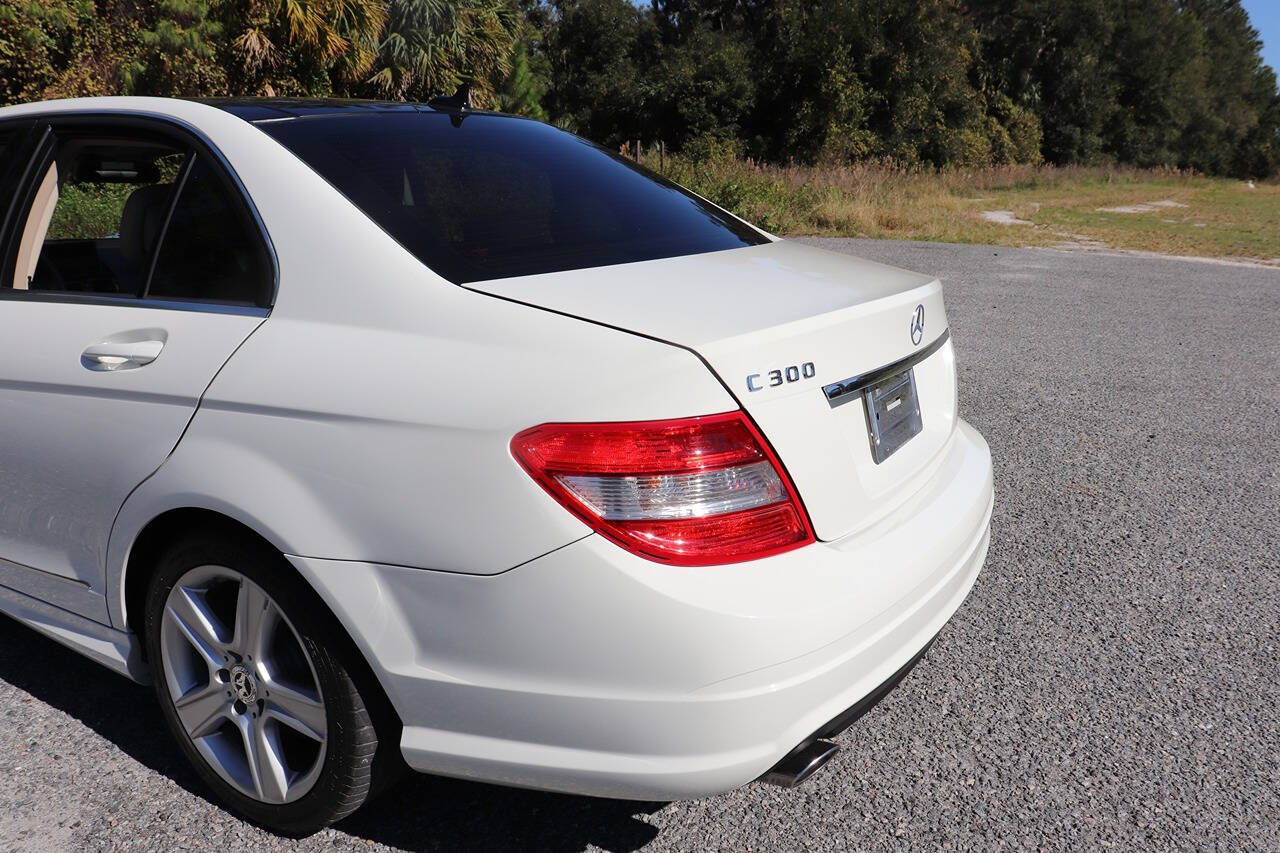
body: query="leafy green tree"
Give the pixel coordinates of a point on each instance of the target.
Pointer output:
(1149, 82)
(1159, 72)
(600, 53)
(1052, 57)
(299, 47)
(431, 47)
(896, 80)
(929, 110)
(1234, 128)
(931, 82)
(1014, 131)
(812, 100)
(177, 52)
(706, 88)
(43, 44)
(1257, 155)
(523, 89)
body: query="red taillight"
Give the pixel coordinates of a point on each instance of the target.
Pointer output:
(692, 492)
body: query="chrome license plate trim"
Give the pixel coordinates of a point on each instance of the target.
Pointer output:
(849, 390)
(892, 406)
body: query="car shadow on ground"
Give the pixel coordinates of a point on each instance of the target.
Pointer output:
(419, 813)
(433, 813)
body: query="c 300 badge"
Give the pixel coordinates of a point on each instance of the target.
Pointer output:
(781, 376)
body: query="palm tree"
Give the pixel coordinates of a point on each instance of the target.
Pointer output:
(315, 46)
(431, 47)
(341, 33)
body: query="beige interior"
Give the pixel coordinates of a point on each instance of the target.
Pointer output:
(33, 233)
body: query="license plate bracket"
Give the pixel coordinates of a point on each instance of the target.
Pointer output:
(893, 413)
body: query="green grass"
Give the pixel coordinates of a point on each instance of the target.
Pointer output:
(1214, 217)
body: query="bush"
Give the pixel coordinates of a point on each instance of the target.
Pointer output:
(88, 211)
(760, 195)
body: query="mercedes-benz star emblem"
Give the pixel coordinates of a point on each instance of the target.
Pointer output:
(242, 683)
(917, 325)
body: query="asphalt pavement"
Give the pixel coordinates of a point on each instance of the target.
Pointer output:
(1113, 680)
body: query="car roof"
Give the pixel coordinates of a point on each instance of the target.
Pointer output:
(274, 109)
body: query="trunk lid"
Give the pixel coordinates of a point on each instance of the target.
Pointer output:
(779, 323)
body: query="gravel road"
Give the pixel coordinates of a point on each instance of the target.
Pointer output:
(1112, 680)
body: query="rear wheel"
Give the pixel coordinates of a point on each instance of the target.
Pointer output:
(267, 712)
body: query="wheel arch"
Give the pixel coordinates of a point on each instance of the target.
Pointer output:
(157, 534)
(171, 526)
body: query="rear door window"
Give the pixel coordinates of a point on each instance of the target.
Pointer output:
(134, 214)
(15, 154)
(7, 139)
(13, 150)
(211, 250)
(96, 217)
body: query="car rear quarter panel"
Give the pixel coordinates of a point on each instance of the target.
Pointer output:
(369, 417)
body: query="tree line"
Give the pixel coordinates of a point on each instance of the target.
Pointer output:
(1153, 83)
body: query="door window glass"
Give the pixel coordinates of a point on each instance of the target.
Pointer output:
(6, 155)
(97, 216)
(13, 151)
(211, 250)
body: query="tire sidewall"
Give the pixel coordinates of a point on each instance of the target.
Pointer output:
(344, 761)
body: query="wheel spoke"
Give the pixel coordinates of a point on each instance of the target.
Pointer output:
(243, 684)
(298, 711)
(262, 754)
(202, 709)
(197, 624)
(252, 619)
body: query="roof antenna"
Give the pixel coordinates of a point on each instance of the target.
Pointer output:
(458, 101)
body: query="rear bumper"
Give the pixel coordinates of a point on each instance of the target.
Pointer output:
(593, 671)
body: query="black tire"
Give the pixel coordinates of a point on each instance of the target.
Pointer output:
(346, 778)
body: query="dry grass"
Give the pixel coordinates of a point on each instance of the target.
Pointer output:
(1199, 216)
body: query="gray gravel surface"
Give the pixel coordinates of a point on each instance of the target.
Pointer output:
(1112, 680)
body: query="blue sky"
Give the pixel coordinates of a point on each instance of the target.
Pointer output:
(1265, 15)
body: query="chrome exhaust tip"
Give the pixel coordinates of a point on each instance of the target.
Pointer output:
(800, 764)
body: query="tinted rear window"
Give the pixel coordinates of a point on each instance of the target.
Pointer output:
(494, 197)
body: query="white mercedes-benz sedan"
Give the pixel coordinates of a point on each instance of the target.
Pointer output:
(380, 434)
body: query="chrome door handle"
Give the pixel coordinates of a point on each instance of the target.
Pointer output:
(121, 356)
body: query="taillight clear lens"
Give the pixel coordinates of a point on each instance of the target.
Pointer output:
(694, 491)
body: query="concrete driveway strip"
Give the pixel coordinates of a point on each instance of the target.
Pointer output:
(1112, 680)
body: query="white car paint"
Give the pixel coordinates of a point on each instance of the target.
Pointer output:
(363, 428)
(63, 420)
(707, 677)
(752, 310)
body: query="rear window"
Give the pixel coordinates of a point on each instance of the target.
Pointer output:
(482, 197)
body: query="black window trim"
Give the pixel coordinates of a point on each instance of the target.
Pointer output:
(166, 126)
(28, 146)
(188, 164)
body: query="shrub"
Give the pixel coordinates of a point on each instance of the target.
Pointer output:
(88, 211)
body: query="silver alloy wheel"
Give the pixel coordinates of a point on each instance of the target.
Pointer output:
(244, 688)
